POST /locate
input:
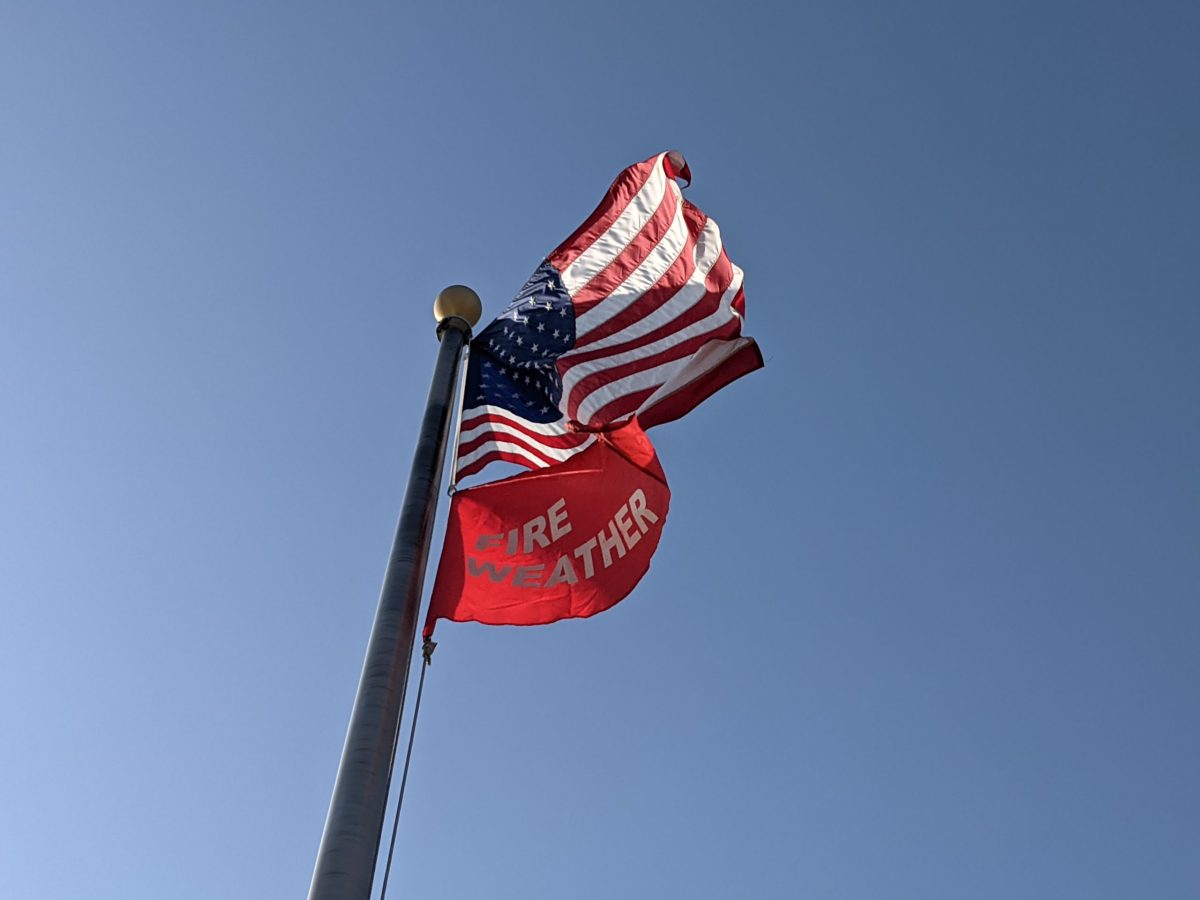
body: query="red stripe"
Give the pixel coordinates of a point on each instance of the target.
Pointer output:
(539, 444)
(739, 303)
(716, 283)
(619, 194)
(467, 448)
(618, 407)
(725, 331)
(535, 442)
(673, 280)
(506, 456)
(691, 395)
(625, 405)
(624, 263)
(659, 293)
(564, 441)
(707, 304)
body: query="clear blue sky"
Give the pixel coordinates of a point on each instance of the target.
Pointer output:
(924, 621)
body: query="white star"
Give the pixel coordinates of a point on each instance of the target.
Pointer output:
(562, 311)
(557, 332)
(519, 342)
(541, 326)
(534, 348)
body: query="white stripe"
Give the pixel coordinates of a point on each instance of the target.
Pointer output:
(501, 428)
(551, 428)
(711, 356)
(518, 450)
(693, 290)
(609, 245)
(653, 377)
(641, 279)
(494, 446)
(720, 316)
(706, 254)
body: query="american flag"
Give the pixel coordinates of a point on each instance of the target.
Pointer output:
(639, 312)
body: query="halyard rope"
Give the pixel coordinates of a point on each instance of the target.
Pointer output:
(427, 654)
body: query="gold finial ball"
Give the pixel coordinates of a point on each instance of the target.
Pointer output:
(460, 301)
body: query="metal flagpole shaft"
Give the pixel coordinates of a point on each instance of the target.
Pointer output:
(345, 865)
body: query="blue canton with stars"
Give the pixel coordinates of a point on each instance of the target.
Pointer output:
(512, 362)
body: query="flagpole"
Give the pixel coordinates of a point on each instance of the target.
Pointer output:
(345, 866)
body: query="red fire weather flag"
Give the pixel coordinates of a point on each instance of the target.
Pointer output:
(564, 542)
